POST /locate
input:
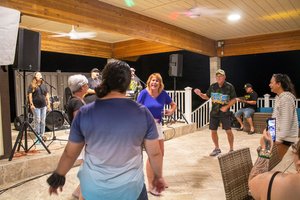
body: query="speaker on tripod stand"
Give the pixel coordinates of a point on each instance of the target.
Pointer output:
(27, 58)
(175, 70)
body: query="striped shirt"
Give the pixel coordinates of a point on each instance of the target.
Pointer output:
(286, 117)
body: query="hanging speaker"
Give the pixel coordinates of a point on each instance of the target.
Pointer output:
(28, 51)
(175, 65)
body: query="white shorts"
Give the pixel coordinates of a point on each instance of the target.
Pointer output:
(160, 131)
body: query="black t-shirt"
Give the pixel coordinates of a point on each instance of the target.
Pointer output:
(73, 105)
(250, 97)
(38, 95)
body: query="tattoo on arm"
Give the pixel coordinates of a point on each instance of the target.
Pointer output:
(261, 166)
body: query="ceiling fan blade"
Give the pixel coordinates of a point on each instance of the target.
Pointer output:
(60, 35)
(82, 35)
(74, 35)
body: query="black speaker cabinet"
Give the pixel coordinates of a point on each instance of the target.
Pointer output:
(175, 65)
(28, 51)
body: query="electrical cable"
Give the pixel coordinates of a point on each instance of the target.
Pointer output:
(28, 180)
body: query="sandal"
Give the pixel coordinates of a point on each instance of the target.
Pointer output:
(154, 192)
(251, 132)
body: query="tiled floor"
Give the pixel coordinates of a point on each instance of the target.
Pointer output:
(189, 171)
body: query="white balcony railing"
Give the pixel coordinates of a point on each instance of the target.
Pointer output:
(200, 116)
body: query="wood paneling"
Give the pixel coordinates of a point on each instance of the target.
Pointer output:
(138, 47)
(77, 47)
(287, 41)
(102, 16)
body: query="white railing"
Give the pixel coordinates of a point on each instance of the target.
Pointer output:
(200, 116)
(183, 99)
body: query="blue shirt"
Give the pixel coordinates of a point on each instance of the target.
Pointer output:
(113, 130)
(155, 105)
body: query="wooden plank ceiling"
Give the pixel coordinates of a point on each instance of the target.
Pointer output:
(148, 27)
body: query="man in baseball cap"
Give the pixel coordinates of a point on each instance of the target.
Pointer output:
(249, 106)
(93, 82)
(221, 72)
(222, 94)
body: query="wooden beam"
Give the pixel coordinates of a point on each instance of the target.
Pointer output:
(287, 41)
(77, 47)
(138, 47)
(101, 16)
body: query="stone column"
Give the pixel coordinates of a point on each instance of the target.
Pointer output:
(214, 64)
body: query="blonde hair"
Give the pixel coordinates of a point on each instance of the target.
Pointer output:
(34, 83)
(159, 78)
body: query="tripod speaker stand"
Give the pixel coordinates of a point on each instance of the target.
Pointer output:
(178, 110)
(52, 116)
(23, 130)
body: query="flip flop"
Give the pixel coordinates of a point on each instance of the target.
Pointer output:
(154, 192)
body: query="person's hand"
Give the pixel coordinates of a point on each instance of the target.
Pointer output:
(32, 107)
(55, 190)
(266, 138)
(55, 182)
(238, 99)
(168, 112)
(159, 184)
(224, 108)
(197, 91)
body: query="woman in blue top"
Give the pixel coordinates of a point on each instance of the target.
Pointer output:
(154, 97)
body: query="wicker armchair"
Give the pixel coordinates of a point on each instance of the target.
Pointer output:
(235, 169)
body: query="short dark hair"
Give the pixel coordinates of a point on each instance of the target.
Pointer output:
(116, 76)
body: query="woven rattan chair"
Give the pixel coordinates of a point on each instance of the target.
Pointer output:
(235, 169)
(275, 158)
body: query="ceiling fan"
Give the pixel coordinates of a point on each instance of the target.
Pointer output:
(200, 11)
(74, 35)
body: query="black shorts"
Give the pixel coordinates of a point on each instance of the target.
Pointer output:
(222, 117)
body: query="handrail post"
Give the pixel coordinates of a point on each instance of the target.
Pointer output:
(188, 104)
(267, 100)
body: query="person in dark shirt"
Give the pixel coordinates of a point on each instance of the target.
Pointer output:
(93, 82)
(78, 85)
(38, 97)
(249, 107)
(223, 96)
(134, 87)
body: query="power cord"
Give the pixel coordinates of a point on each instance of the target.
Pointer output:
(28, 180)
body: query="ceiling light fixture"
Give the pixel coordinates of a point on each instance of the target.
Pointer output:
(234, 17)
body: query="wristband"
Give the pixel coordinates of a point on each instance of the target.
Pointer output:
(263, 153)
(56, 180)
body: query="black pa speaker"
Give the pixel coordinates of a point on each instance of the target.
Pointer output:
(28, 51)
(175, 65)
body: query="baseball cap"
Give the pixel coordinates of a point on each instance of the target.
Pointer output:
(95, 70)
(220, 71)
(247, 85)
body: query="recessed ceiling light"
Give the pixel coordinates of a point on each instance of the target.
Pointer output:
(234, 17)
